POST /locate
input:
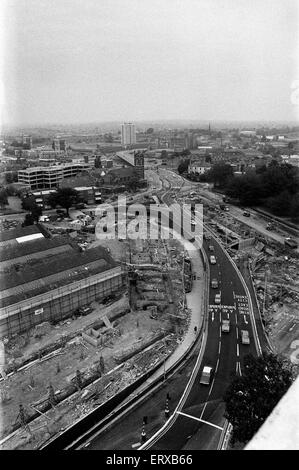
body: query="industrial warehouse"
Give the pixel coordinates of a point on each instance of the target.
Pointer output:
(48, 279)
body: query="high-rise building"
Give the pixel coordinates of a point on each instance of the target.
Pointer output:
(27, 141)
(128, 134)
(59, 145)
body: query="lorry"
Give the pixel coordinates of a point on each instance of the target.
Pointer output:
(206, 375)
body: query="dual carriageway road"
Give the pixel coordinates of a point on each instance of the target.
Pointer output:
(198, 422)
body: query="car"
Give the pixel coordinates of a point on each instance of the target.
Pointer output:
(206, 236)
(44, 218)
(246, 214)
(245, 337)
(225, 327)
(80, 205)
(214, 283)
(212, 259)
(218, 298)
(84, 310)
(206, 375)
(211, 247)
(226, 208)
(193, 223)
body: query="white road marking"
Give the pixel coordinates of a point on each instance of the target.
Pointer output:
(212, 315)
(238, 352)
(245, 320)
(220, 331)
(219, 348)
(199, 419)
(236, 318)
(227, 315)
(237, 333)
(217, 364)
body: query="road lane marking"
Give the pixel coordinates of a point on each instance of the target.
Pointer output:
(219, 347)
(238, 352)
(220, 331)
(236, 318)
(217, 365)
(245, 320)
(201, 420)
(237, 333)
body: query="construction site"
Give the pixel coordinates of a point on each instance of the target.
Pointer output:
(56, 372)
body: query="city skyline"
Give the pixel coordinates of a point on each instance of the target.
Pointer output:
(73, 62)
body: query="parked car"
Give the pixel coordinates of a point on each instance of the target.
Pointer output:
(246, 214)
(218, 298)
(225, 326)
(212, 259)
(206, 375)
(211, 247)
(214, 283)
(84, 310)
(245, 337)
(44, 218)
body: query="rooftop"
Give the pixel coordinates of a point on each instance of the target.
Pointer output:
(41, 275)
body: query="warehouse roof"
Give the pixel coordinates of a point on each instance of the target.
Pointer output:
(42, 275)
(19, 232)
(40, 247)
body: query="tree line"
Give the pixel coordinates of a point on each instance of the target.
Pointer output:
(274, 187)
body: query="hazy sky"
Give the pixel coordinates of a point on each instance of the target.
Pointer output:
(99, 60)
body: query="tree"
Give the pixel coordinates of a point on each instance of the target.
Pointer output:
(183, 166)
(219, 174)
(64, 197)
(3, 198)
(29, 220)
(29, 204)
(97, 162)
(11, 177)
(251, 397)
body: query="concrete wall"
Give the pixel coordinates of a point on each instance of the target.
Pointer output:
(59, 303)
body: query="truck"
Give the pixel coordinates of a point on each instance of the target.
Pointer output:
(225, 326)
(290, 243)
(206, 375)
(245, 337)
